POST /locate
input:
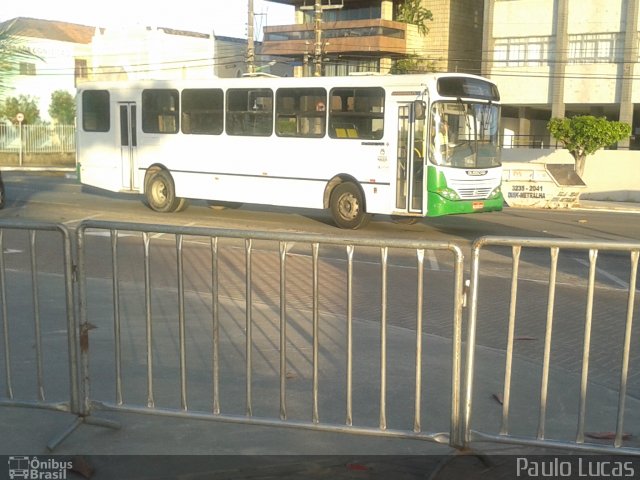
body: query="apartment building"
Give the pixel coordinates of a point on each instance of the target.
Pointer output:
(556, 58)
(366, 36)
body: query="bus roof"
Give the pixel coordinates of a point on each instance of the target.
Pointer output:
(416, 82)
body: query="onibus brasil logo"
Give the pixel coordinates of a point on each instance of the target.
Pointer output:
(33, 468)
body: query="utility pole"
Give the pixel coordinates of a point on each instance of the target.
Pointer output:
(251, 52)
(317, 51)
(318, 47)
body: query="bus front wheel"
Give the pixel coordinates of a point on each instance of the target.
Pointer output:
(347, 206)
(161, 193)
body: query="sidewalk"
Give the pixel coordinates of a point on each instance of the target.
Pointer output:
(154, 447)
(626, 207)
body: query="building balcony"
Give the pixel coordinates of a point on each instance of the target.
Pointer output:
(383, 37)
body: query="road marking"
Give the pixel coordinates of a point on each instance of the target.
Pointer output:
(107, 233)
(604, 273)
(433, 261)
(78, 220)
(13, 250)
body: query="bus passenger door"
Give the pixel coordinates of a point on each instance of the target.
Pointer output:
(128, 145)
(410, 169)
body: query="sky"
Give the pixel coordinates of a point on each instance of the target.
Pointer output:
(224, 17)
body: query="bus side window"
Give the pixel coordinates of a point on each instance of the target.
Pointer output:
(95, 111)
(249, 112)
(300, 112)
(357, 113)
(202, 111)
(160, 111)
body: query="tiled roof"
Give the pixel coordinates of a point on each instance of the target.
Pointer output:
(49, 29)
(69, 32)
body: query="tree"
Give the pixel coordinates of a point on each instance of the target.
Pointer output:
(585, 134)
(412, 64)
(12, 52)
(24, 104)
(63, 107)
(412, 12)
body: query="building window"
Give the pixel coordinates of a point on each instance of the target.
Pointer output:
(81, 70)
(160, 111)
(345, 14)
(27, 68)
(522, 51)
(595, 48)
(343, 67)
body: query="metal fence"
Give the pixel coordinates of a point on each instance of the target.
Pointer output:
(30, 139)
(334, 366)
(36, 327)
(574, 395)
(308, 331)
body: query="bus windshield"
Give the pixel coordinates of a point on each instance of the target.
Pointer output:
(464, 134)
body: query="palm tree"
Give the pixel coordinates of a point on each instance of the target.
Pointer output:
(414, 13)
(12, 51)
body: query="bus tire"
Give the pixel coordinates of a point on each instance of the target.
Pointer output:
(161, 192)
(347, 206)
(402, 220)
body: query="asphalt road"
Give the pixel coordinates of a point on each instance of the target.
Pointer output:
(59, 199)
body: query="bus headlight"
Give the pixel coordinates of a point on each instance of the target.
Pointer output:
(495, 193)
(448, 193)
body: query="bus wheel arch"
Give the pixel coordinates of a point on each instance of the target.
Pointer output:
(346, 199)
(160, 191)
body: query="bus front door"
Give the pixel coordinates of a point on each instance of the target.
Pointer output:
(128, 145)
(410, 169)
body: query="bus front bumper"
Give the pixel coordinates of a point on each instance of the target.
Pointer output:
(439, 206)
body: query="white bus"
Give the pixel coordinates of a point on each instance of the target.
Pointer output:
(407, 145)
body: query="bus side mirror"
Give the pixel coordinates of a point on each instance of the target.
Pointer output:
(419, 109)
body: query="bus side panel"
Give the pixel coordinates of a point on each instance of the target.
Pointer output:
(99, 161)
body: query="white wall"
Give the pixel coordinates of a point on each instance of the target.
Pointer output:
(609, 174)
(54, 72)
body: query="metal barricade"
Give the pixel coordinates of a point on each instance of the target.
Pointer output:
(576, 390)
(168, 343)
(38, 317)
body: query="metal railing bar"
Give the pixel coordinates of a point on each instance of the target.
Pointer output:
(551, 444)
(5, 321)
(181, 323)
(506, 396)
(438, 437)
(546, 361)
(315, 247)
(116, 315)
(215, 353)
(471, 342)
(624, 371)
(249, 326)
(329, 239)
(455, 428)
(384, 252)
(417, 427)
(586, 348)
(349, 379)
(148, 318)
(36, 314)
(283, 330)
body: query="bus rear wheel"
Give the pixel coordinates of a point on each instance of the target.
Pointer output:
(161, 193)
(347, 206)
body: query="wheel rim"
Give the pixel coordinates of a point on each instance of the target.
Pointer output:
(348, 206)
(159, 192)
